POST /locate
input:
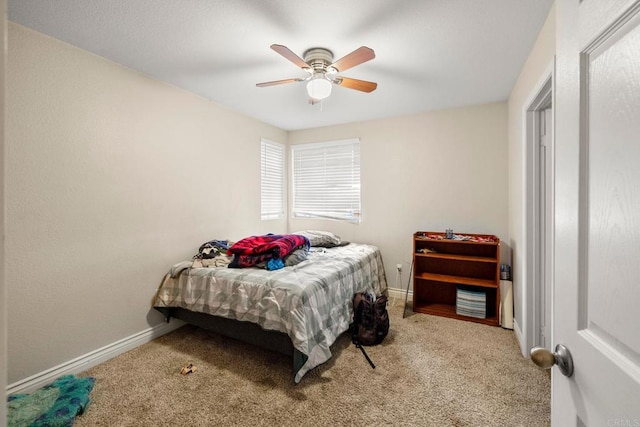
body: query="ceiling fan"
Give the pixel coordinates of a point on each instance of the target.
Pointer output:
(322, 69)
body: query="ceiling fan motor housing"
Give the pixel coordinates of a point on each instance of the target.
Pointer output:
(318, 58)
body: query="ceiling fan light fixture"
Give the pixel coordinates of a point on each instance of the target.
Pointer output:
(319, 87)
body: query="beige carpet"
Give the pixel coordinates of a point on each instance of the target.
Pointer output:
(430, 371)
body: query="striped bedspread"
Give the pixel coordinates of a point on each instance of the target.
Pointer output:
(311, 302)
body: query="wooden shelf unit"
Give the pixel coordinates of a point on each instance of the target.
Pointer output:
(471, 263)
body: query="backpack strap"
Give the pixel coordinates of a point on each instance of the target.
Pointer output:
(366, 356)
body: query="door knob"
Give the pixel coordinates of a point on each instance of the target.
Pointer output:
(546, 359)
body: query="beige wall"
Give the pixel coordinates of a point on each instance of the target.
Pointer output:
(111, 177)
(535, 71)
(430, 171)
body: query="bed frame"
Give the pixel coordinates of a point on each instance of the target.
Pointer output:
(248, 332)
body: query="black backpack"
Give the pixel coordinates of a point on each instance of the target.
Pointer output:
(370, 321)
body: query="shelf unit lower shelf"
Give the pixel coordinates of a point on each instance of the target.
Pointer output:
(448, 310)
(460, 280)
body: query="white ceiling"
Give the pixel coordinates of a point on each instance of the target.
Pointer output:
(430, 54)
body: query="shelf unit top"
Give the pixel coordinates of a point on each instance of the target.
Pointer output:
(474, 239)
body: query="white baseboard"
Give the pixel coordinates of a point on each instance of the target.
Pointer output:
(399, 293)
(93, 358)
(519, 338)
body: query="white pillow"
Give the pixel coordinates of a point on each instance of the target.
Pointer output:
(320, 238)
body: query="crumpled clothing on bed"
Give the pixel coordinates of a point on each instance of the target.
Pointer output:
(219, 261)
(254, 250)
(212, 254)
(212, 249)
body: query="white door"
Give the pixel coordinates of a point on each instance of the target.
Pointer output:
(596, 302)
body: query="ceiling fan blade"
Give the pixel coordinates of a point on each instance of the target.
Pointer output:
(286, 52)
(357, 57)
(278, 82)
(361, 85)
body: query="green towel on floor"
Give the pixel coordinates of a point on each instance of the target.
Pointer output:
(56, 404)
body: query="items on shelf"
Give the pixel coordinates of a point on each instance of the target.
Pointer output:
(471, 303)
(478, 238)
(505, 272)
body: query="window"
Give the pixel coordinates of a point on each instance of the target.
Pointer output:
(326, 180)
(271, 180)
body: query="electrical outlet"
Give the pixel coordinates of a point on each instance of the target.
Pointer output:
(399, 267)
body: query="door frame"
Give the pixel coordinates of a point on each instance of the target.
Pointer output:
(543, 98)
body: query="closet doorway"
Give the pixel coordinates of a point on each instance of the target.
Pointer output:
(539, 213)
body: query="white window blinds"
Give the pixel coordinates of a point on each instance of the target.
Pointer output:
(326, 180)
(271, 180)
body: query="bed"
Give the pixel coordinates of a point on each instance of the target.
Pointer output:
(298, 310)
